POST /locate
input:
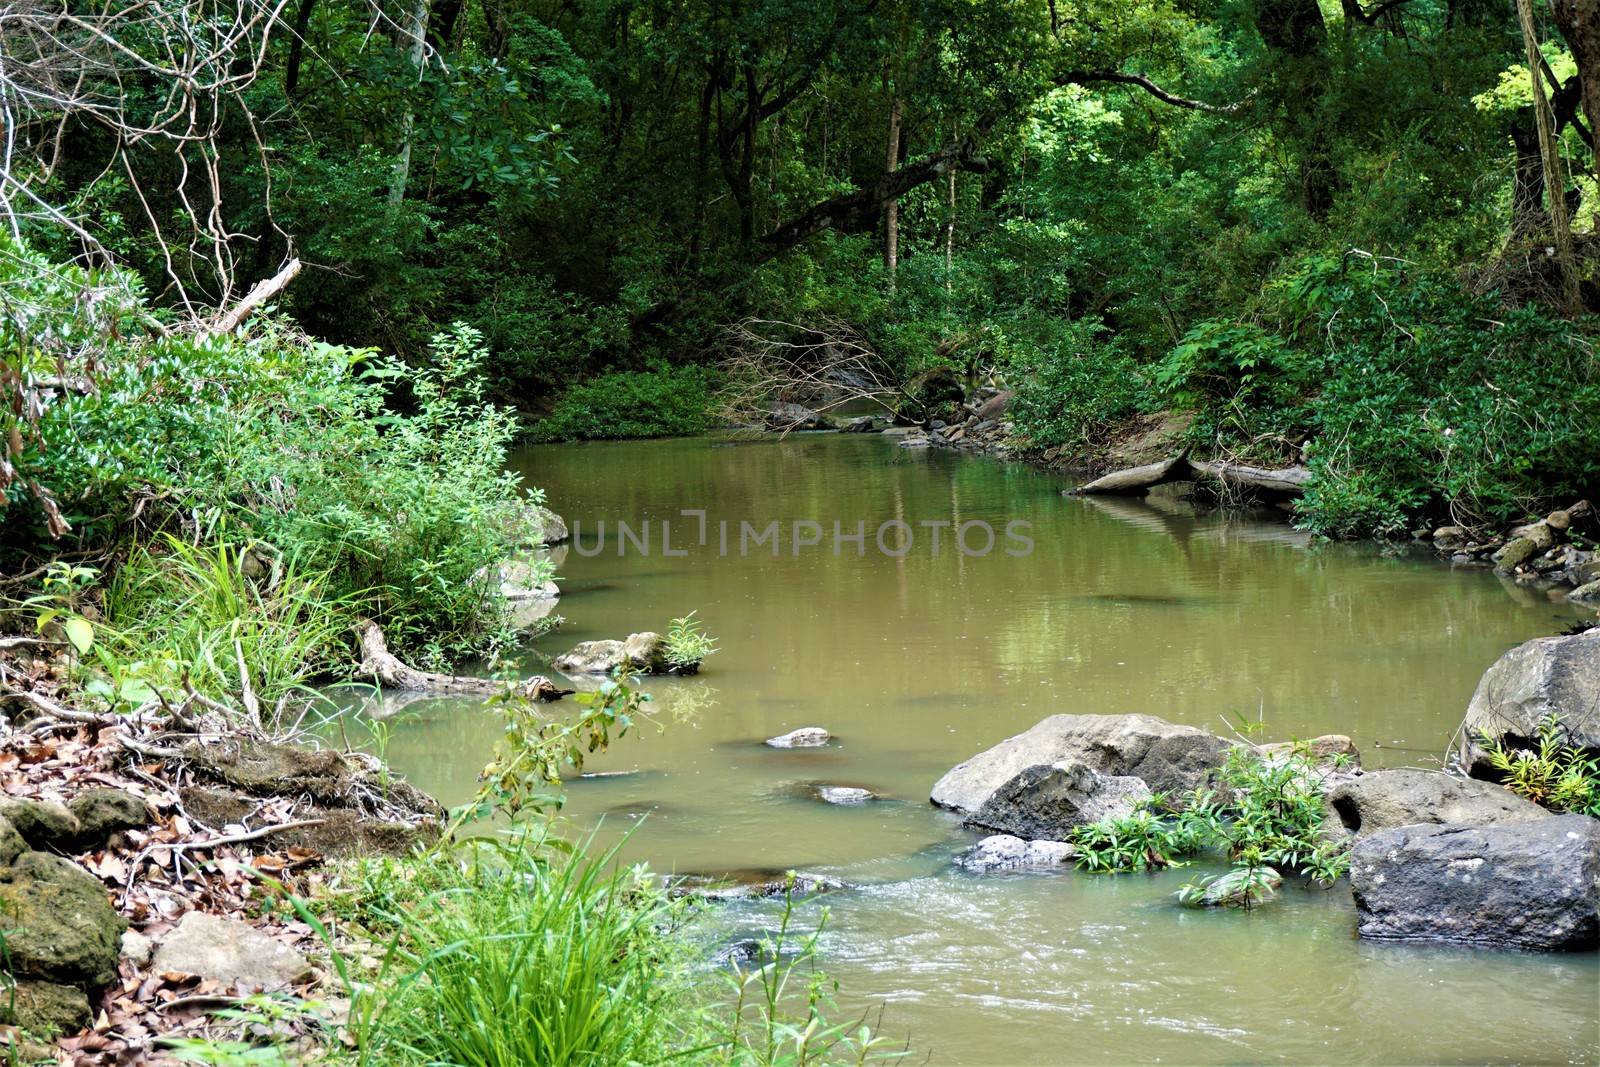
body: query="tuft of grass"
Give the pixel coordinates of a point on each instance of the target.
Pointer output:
(222, 616)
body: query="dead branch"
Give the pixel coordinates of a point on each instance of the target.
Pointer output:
(783, 374)
(391, 673)
(259, 294)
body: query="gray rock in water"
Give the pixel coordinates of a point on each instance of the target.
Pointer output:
(805, 737)
(1531, 885)
(591, 657)
(645, 651)
(1588, 593)
(1168, 757)
(745, 885)
(1003, 852)
(229, 952)
(552, 527)
(844, 794)
(1044, 802)
(1237, 888)
(1548, 676)
(1382, 800)
(1514, 553)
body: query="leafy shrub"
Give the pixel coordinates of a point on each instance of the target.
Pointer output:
(1407, 396)
(388, 482)
(1556, 774)
(688, 644)
(660, 402)
(1073, 388)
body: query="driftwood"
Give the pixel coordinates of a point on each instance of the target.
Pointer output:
(1290, 481)
(378, 662)
(1137, 479)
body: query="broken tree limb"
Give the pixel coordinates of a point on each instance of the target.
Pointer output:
(259, 294)
(378, 662)
(1288, 481)
(1137, 479)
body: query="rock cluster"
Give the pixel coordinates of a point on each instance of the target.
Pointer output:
(645, 652)
(62, 934)
(1558, 548)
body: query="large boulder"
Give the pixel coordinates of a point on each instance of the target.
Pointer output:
(1533, 885)
(1382, 800)
(1545, 677)
(230, 953)
(1168, 757)
(1045, 801)
(59, 922)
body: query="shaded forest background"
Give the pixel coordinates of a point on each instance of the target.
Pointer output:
(1326, 228)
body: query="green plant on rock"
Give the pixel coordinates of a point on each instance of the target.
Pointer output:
(687, 644)
(1140, 841)
(1556, 774)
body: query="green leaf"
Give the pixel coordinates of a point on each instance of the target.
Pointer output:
(79, 632)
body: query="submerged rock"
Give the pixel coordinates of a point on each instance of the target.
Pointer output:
(1004, 852)
(1382, 800)
(229, 952)
(1533, 885)
(1045, 801)
(1545, 677)
(1167, 757)
(844, 794)
(763, 882)
(805, 737)
(1240, 889)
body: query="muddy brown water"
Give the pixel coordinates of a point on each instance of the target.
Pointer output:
(916, 659)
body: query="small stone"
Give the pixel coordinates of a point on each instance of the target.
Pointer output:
(1558, 520)
(1450, 538)
(230, 953)
(805, 737)
(136, 947)
(647, 651)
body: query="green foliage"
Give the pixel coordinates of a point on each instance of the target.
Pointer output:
(1263, 812)
(688, 644)
(1072, 392)
(178, 612)
(1408, 397)
(660, 402)
(1557, 774)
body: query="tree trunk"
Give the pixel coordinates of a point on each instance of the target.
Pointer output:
(1550, 157)
(950, 234)
(415, 32)
(891, 210)
(1579, 21)
(297, 43)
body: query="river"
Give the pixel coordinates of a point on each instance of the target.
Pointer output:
(916, 659)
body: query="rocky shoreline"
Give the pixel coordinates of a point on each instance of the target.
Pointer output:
(1434, 855)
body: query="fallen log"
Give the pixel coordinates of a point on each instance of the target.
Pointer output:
(391, 673)
(1288, 481)
(259, 294)
(1136, 479)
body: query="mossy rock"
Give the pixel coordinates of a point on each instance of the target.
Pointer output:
(103, 812)
(12, 844)
(42, 823)
(45, 1009)
(269, 770)
(60, 924)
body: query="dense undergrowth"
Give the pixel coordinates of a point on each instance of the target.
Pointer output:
(198, 472)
